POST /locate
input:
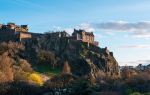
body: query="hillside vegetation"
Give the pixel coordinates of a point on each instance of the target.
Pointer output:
(46, 65)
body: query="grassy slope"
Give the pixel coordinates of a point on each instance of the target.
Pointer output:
(47, 70)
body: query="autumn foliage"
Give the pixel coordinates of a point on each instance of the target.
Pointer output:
(66, 68)
(6, 73)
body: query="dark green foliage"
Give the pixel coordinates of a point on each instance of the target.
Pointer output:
(19, 88)
(136, 93)
(47, 56)
(47, 69)
(81, 87)
(140, 82)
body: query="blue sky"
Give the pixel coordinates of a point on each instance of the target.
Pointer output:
(121, 25)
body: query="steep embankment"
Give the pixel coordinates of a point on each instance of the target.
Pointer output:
(85, 60)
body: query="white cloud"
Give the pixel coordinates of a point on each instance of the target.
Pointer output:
(110, 33)
(143, 46)
(69, 30)
(86, 26)
(137, 30)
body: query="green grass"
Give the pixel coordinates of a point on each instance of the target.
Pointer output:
(47, 70)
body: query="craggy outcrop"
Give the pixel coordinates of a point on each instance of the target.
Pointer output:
(84, 59)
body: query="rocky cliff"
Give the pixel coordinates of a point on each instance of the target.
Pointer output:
(84, 59)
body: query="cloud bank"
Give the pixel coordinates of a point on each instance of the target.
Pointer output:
(142, 46)
(138, 29)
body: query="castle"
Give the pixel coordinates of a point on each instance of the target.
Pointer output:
(20, 32)
(12, 31)
(84, 36)
(79, 35)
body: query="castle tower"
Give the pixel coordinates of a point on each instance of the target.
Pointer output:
(84, 36)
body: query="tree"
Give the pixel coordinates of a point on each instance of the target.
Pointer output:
(127, 73)
(66, 68)
(47, 58)
(25, 66)
(81, 87)
(6, 73)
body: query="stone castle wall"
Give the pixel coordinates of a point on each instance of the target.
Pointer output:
(14, 32)
(25, 35)
(87, 38)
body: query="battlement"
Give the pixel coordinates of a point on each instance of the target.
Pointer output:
(14, 27)
(11, 31)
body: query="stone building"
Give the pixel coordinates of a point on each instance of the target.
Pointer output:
(84, 36)
(14, 32)
(20, 32)
(23, 36)
(17, 28)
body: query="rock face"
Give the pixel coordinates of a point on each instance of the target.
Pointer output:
(84, 59)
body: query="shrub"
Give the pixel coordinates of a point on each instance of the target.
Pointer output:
(19, 88)
(35, 78)
(136, 93)
(22, 70)
(140, 82)
(11, 47)
(47, 58)
(81, 87)
(127, 73)
(129, 91)
(25, 66)
(21, 76)
(147, 93)
(31, 78)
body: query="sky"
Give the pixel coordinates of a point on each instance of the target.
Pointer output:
(121, 25)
